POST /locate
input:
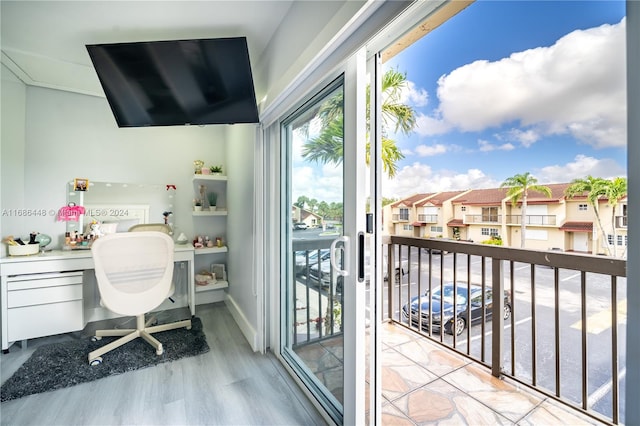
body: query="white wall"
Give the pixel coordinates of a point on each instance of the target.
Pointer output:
(70, 135)
(308, 27)
(243, 296)
(12, 125)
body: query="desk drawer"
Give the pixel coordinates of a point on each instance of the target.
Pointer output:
(44, 320)
(43, 296)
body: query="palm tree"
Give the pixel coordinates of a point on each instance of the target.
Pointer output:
(593, 187)
(614, 190)
(519, 187)
(327, 147)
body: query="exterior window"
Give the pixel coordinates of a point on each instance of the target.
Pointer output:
(436, 229)
(622, 240)
(582, 207)
(407, 227)
(404, 214)
(610, 239)
(493, 232)
(489, 214)
(463, 208)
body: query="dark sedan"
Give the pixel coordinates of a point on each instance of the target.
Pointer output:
(443, 301)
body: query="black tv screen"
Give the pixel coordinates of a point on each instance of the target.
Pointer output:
(179, 82)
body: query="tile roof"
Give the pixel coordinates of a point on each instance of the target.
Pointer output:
(456, 222)
(577, 226)
(409, 201)
(490, 196)
(439, 198)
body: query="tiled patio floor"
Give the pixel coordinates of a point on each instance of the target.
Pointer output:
(424, 383)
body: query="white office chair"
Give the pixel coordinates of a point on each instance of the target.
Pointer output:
(134, 271)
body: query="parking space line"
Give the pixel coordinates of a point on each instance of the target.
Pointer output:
(570, 277)
(604, 389)
(601, 321)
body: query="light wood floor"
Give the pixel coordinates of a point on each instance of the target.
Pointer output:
(229, 385)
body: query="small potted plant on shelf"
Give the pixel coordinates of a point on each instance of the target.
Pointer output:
(197, 205)
(216, 170)
(213, 199)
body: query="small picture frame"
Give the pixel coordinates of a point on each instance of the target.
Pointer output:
(80, 184)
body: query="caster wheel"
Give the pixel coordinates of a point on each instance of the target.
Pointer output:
(188, 328)
(160, 350)
(95, 361)
(96, 338)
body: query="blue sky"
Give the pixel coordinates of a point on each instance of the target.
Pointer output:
(508, 87)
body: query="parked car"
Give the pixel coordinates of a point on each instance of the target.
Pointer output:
(300, 225)
(301, 259)
(442, 302)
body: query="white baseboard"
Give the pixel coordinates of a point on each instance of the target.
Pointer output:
(247, 329)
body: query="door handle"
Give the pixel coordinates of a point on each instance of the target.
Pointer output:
(335, 267)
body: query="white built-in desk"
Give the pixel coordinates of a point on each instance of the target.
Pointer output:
(42, 294)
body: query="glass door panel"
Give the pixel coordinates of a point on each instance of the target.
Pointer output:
(313, 339)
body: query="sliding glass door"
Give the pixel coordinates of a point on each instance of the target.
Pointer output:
(322, 299)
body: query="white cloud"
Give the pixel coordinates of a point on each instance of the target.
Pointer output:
(421, 178)
(486, 146)
(414, 96)
(581, 167)
(430, 150)
(575, 86)
(525, 137)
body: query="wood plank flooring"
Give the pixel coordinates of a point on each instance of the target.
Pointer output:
(229, 385)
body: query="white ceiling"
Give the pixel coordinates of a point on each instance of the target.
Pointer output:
(43, 42)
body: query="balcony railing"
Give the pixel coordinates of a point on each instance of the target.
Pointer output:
(400, 218)
(428, 218)
(482, 218)
(621, 221)
(533, 219)
(556, 329)
(318, 314)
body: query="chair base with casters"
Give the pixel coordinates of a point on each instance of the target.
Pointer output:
(143, 329)
(134, 272)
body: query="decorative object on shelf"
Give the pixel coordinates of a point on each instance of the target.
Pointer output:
(205, 278)
(216, 170)
(205, 171)
(96, 232)
(198, 242)
(203, 197)
(197, 165)
(17, 247)
(70, 212)
(182, 239)
(80, 184)
(219, 271)
(44, 240)
(219, 241)
(197, 205)
(213, 199)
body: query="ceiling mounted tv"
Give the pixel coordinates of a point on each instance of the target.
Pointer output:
(179, 82)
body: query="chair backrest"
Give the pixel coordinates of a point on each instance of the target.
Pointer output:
(134, 270)
(161, 227)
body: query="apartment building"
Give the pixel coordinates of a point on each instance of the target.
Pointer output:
(556, 222)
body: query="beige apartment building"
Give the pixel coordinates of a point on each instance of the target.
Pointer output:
(558, 222)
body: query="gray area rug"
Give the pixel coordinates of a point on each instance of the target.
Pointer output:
(61, 365)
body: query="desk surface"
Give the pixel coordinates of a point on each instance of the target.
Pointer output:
(72, 254)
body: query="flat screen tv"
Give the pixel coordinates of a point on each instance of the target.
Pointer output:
(179, 82)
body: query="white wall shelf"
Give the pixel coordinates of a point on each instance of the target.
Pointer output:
(209, 177)
(216, 212)
(218, 285)
(206, 256)
(210, 250)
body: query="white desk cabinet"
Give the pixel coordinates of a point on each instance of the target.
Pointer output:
(44, 304)
(43, 294)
